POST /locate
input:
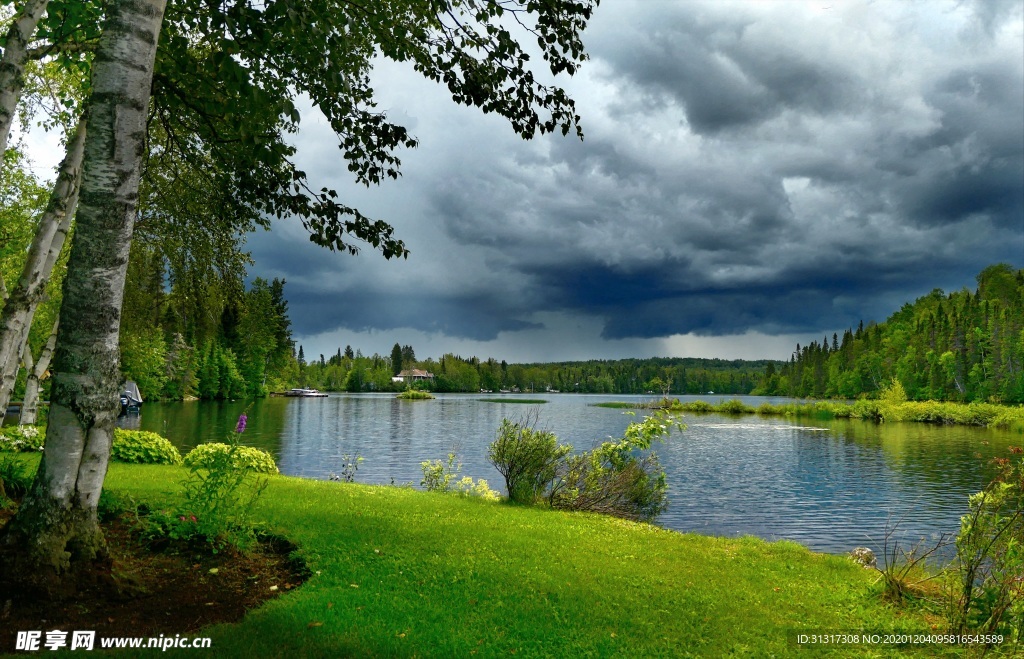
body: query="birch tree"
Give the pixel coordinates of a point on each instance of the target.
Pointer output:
(12, 64)
(54, 225)
(234, 70)
(56, 531)
(36, 370)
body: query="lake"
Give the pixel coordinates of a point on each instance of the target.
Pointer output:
(829, 485)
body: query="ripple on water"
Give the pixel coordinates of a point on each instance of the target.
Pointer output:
(832, 485)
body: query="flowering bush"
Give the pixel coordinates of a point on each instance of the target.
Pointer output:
(223, 486)
(439, 476)
(22, 438)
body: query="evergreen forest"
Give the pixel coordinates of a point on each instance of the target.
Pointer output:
(963, 346)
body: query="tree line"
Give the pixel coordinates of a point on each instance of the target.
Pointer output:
(962, 346)
(349, 370)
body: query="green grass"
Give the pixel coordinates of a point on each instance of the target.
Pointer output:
(971, 414)
(619, 405)
(520, 401)
(398, 572)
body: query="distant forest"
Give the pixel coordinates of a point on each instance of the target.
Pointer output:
(346, 371)
(964, 346)
(219, 342)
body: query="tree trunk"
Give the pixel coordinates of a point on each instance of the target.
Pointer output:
(54, 540)
(36, 371)
(12, 65)
(16, 316)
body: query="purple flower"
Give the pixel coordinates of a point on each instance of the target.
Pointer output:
(241, 424)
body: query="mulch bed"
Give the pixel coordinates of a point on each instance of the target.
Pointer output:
(177, 590)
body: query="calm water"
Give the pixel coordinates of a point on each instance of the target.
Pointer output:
(830, 485)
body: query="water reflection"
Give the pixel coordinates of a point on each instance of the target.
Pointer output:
(830, 485)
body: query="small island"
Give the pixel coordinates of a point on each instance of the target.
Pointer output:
(415, 394)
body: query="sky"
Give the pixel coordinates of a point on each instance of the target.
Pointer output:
(753, 175)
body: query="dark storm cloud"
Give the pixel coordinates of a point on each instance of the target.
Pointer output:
(770, 167)
(477, 318)
(721, 78)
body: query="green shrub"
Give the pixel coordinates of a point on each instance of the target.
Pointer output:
(734, 407)
(613, 479)
(22, 438)
(527, 458)
(143, 447)
(699, 407)
(415, 394)
(15, 477)
(253, 459)
(110, 505)
(439, 476)
(988, 596)
(221, 492)
(223, 486)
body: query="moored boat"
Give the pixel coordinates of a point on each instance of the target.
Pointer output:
(299, 392)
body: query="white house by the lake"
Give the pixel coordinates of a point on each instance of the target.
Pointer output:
(413, 375)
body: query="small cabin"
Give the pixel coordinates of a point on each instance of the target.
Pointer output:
(411, 375)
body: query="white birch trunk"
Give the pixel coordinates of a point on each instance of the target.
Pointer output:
(36, 370)
(12, 65)
(55, 532)
(16, 315)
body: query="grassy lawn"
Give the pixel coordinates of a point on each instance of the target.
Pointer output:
(398, 572)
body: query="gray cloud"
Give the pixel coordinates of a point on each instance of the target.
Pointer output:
(766, 167)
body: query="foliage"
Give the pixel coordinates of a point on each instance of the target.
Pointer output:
(988, 593)
(527, 458)
(452, 373)
(15, 478)
(210, 455)
(22, 438)
(478, 488)
(971, 414)
(223, 486)
(438, 475)
(240, 343)
(903, 570)
(415, 394)
(443, 476)
(961, 347)
(612, 479)
(735, 407)
(349, 467)
(143, 447)
(110, 505)
(144, 360)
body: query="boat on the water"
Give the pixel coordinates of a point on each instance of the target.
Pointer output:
(130, 399)
(303, 393)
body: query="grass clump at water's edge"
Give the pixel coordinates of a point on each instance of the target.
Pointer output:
(521, 401)
(415, 394)
(400, 572)
(948, 413)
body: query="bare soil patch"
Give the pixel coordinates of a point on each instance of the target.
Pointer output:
(144, 592)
